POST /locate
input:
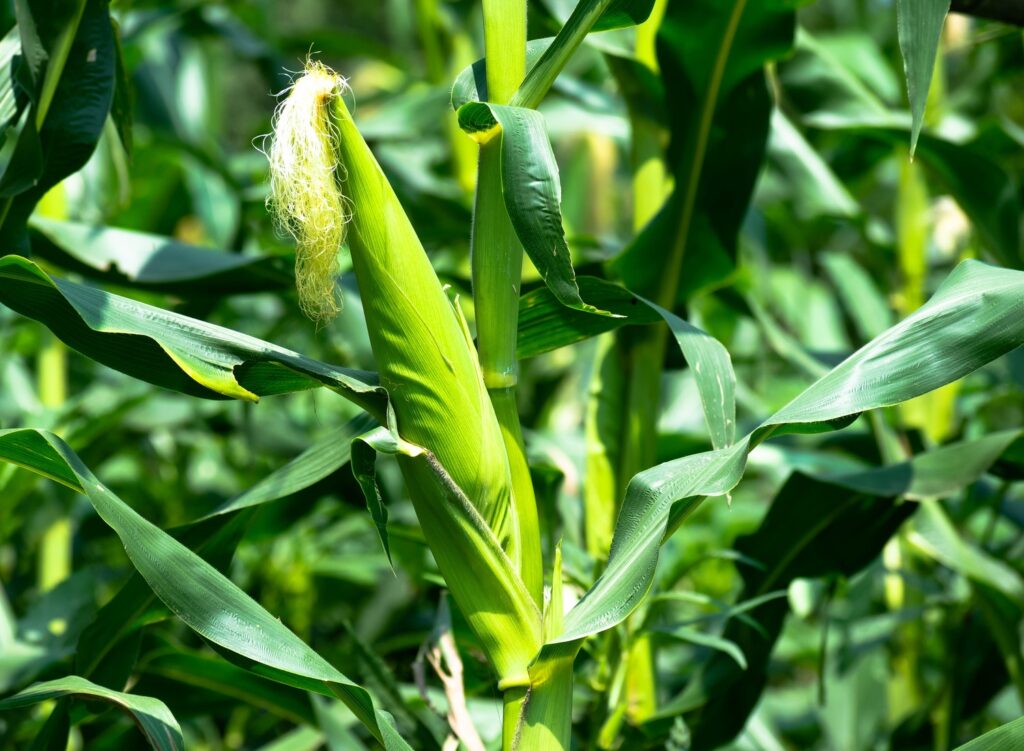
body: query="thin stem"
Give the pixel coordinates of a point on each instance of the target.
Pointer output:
(543, 74)
(56, 543)
(497, 260)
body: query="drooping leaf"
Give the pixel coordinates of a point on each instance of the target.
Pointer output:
(202, 597)
(919, 27)
(532, 191)
(151, 715)
(168, 349)
(973, 318)
(546, 324)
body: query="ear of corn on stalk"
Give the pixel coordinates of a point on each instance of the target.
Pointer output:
(425, 358)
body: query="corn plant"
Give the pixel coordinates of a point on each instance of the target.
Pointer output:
(569, 553)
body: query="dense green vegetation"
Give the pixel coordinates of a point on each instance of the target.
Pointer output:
(622, 375)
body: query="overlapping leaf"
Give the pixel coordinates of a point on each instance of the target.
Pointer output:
(973, 318)
(202, 597)
(151, 715)
(168, 349)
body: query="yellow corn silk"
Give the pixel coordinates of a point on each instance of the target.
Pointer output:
(426, 361)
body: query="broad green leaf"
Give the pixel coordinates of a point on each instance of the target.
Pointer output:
(1005, 738)
(215, 536)
(718, 115)
(974, 317)
(69, 66)
(168, 349)
(532, 191)
(202, 597)
(919, 26)
(151, 715)
(148, 261)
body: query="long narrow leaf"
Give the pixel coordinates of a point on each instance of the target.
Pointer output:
(151, 715)
(195, 591)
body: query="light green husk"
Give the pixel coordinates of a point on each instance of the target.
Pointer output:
(426, 362)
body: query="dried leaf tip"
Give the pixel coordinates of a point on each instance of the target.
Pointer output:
(305, 198)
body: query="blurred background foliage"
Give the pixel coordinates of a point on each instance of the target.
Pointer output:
(918, 646)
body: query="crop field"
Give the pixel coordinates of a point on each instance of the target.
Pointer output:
(512, 375)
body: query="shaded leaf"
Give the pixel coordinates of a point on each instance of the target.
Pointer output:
(151, 715)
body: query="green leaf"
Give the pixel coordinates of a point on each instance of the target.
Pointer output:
(919, 26)
(973, 318)
(587, 16)
(151, 715)
(934, 534)
(533, 194)
(147, 261)
(1005, 738)
(69, 70)
(703, 639)
(546, 324)
(168, 349)
(202, 597)
(718, 114)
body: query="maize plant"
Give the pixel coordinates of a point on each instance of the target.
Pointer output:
(653, 375)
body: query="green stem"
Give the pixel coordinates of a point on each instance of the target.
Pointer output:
(497, 260)
(56, 543)
(539, 718)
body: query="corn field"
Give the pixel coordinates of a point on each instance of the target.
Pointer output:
(512, 376)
